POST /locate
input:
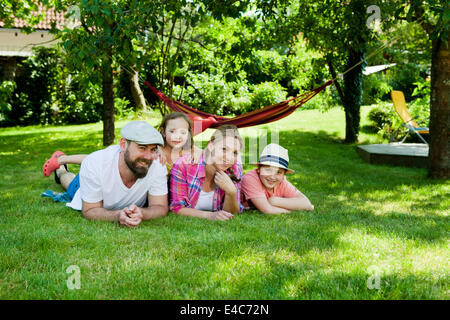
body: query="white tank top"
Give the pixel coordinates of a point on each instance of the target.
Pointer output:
(205, 201)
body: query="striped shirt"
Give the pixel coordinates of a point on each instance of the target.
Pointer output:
(186, 180)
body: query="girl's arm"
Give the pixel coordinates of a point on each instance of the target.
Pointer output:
(211, 215)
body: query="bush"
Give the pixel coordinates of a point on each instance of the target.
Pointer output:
(267, 93)
(81, 102)
(323, 101)
(242, 100)
(31, 101)
(45, 92)
(6, 90)
(383, 117)
(375, 89)
(209, 93)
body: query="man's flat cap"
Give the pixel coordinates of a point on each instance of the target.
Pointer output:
(141, 132)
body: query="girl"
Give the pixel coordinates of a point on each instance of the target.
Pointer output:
(209, 188)
(177, 131)
(266, 187)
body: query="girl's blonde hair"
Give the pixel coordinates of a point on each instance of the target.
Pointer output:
(175, 115)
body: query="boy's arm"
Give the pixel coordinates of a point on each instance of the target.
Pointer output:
(263, 205)
(300, 202)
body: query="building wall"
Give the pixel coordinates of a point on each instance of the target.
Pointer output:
(13, 42)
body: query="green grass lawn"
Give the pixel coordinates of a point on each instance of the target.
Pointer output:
(382, 225)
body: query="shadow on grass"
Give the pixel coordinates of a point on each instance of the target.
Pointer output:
(369, 129)
(254, 255)
(329, 173)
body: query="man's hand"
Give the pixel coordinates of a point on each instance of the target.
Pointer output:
(162, 156)
(224, 182)
(131, 216)
(220, 215)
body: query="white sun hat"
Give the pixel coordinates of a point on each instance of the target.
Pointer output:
(276, 156)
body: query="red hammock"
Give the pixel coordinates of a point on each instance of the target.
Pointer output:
(203, 120)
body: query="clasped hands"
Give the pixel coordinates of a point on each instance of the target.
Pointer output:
(131, 216)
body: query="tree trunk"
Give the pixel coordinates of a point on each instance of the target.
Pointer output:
(353, 95)
(108, 100)
(136, 91)
(439, 154)
(336, 83)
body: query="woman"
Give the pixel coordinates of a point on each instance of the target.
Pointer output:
(210, 188)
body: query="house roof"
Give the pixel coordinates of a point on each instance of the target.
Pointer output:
(50, 15)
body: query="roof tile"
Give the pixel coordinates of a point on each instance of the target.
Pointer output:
(50, 15)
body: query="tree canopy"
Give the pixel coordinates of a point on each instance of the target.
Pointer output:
(230, 57)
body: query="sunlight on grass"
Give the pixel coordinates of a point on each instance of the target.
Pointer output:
(369, 220)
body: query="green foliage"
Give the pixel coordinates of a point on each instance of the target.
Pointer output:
(37, 78)
(224, 63)
(383, 117)
(324, 101)
(26, 10)
(122, 109)
(411, 52)
(306, 67)
(212, 94)
(6, 90)
(81, 102)
(235, 78)
(422, 91)
(268, 93)
(266, 65)
(375, 89)
(405, 76)
(433, 14)
(45, 92)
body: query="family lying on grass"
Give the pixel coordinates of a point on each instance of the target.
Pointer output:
(128, 182)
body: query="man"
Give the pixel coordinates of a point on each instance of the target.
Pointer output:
(115, 183)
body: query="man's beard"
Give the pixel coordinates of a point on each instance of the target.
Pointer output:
(138, 171)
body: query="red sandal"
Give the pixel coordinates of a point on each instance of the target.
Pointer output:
(52, 164)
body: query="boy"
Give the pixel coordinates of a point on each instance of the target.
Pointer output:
(266, 187)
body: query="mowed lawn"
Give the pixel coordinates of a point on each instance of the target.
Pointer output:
(377, 232)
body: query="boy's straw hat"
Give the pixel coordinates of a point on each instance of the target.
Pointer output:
(276, 156)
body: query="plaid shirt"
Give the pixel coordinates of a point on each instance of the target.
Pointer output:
(186, 180)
